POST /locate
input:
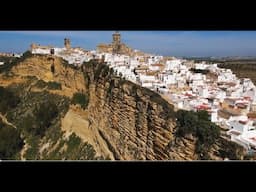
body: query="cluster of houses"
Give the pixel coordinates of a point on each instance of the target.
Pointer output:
(9, 55)
(231, 102)
(75, 56)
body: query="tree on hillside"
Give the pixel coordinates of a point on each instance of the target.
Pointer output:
(7, 99)
(203, 115)
(44, 114)
(199, 125)
(10, 142)
(81, 99)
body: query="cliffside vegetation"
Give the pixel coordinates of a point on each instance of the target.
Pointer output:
(30, 123)
(8, 100)
(199, 125)
(10, 141)
(49, 85)
(81, 99)
(207, 135)
(37, 121)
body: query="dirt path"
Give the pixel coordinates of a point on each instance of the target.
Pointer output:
(5, 121)
(23, 151)
(75, 121)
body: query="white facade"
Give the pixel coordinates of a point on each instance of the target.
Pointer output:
(203, 92)
(41, 51)
(200, 66)
(147, 85)
(238, 126)
(154, 68)
(144, 78)
(180, 104)
(169, 79)
(214, 115)
(172, 64)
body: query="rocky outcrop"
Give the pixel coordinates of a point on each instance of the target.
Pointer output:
(76, 120)
(49, 68)
(136, 122)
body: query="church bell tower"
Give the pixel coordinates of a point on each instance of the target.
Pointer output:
(116, 42)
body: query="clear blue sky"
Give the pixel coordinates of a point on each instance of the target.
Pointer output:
(172, 43)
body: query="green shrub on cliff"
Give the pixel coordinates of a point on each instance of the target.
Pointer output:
(45, 113)
(230, 150)
(42, 118)
(81, 99)
(8, 99)
(199, 125)
(10, 141)
(52, 85)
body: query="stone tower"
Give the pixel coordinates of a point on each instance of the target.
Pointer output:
(116, 42)
(116, 38)
(32, 46)
(67, 43)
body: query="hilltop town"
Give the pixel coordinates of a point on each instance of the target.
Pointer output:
(230, 101)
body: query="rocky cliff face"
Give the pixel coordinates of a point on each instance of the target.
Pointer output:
(49, 68)
(134, 126)
(123, 121)
(135, 122)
